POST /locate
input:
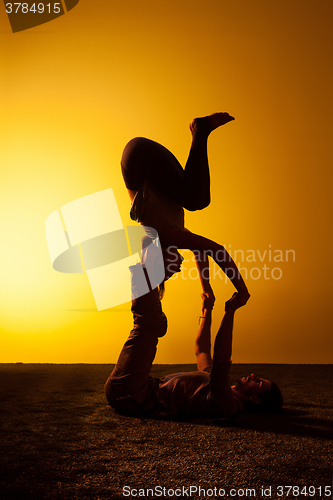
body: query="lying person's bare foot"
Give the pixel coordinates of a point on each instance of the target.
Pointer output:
(238, 300)
(209, 123)
(218, 119)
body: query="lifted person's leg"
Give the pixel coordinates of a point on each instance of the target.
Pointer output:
(144, 159)
(197, 177)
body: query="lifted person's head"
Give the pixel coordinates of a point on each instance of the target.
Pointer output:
(258, 394)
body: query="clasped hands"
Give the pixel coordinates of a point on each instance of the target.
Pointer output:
(237, 300)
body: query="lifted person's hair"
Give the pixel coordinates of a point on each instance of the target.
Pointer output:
(161, 290)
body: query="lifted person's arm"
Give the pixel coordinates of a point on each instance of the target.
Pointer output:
(223, 340)
(202, 263)
(196, 243)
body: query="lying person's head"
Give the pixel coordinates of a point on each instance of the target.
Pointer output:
(258, 394)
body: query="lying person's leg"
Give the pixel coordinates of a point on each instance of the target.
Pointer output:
(203, 338)
(127, 389)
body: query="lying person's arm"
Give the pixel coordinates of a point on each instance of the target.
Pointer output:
(223, 340)
(221, 393)
(203, 340)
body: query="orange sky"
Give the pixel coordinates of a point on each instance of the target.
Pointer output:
(75, 90)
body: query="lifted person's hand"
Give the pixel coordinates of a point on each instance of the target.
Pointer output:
(209, 291)
(208, 301)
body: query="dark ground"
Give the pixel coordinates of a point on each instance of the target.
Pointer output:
(60, 439)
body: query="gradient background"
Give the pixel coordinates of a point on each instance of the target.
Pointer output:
(75, 90)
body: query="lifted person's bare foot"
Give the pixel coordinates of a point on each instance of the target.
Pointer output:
(209, 123)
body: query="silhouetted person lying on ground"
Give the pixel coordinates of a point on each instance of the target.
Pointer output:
(206, 392)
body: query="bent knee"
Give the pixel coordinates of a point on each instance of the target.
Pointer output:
(131, 150)
(135, 144)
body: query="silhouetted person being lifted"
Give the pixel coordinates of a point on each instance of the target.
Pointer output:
(160, 189)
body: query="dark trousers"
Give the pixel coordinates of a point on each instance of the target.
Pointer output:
(144, 159)
(129, 387)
